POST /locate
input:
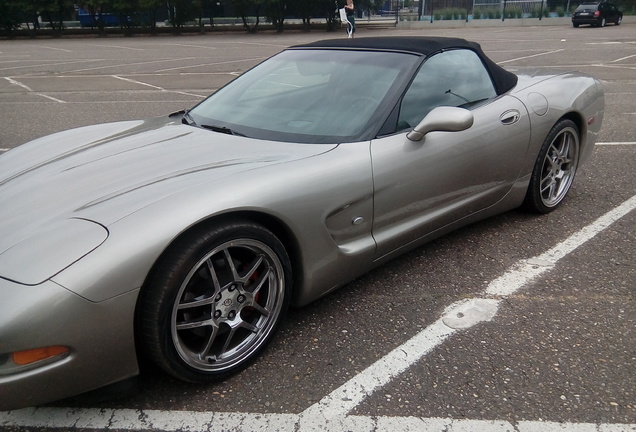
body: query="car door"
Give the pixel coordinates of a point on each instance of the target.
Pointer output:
(611, 13)
(421, 186)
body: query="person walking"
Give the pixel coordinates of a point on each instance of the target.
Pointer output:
(351, 18)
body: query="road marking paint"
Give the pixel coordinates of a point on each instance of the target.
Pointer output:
(49, 64)
(616, 143)
(18, 83)
(212, 64)
(530, 56)
(346, 397)
(51, 98)
(623, 58)
(192, 46)
(52, 48)
(330, 413)
(119, 47)
(156, 87)
(138, 82)
(121, 65)
(178, 421)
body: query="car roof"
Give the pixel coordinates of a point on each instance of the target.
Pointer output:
(421, 45)
(418, 44)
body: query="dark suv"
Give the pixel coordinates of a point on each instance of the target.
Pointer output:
(596, 14)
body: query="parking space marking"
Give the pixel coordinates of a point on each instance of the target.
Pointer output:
(530, 56)
(133, 64)
(155, 87)
(178, 421)
(461, 315)
(52, 48)
(254, 59)
(616, 143)
(51, 98)
(330, 413)
(623, 58)
(119, 47)
(45, 63)
(29, 89)
(130, 80)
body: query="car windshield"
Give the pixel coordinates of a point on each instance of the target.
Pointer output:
(308, 96)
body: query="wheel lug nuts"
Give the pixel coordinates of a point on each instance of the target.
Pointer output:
(231, 315)
(218, 297)
(240, 298)
(217, 314)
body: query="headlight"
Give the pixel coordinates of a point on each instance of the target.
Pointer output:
(50, 250)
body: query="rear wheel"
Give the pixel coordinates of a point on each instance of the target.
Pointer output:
(602, 23)
(214, 301)
(554, 169)
(618, 20)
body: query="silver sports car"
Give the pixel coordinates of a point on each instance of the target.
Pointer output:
(186, 238)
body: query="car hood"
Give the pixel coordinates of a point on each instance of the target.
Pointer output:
(103, 173)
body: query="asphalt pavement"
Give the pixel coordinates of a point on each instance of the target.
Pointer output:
(550, 337)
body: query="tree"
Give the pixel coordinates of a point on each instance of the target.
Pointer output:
(182, 11)
(54, 12)
(304, 9)
(276, 10)
(243, 8)
(329, 9)
(10, 15)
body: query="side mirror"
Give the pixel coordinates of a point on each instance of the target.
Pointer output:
(442, 119)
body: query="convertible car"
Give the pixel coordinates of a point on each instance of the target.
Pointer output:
(184, 239)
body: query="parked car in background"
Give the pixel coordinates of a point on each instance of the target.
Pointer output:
(596, 14)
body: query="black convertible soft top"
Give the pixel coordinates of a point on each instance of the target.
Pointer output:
(426, 46)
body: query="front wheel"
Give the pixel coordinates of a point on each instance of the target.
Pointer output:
(554, 169)
(214, 301)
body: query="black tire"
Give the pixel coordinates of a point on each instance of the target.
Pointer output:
(602, 23)
(618, 20)
(575, 25)
(214, 301)
(554, 169)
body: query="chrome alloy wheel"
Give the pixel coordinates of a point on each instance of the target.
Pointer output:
(228, 305)
(559, 167)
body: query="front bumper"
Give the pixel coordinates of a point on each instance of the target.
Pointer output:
(99, 336)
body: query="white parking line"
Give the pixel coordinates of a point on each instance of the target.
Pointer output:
(530, 56)
(192, 421)
(615, 143)
(18, 83)
(330, 414)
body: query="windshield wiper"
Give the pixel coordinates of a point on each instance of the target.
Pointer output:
(187, 118)
(222, 129)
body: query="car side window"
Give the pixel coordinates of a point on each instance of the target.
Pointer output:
(450, 78)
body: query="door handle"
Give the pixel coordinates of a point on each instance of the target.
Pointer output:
(510, 117)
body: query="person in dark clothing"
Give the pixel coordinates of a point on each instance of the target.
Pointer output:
(349, 9)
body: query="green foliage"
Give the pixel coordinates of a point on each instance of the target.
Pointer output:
(450, 14)
(10, 15)
(514, 12)
(180, 12)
